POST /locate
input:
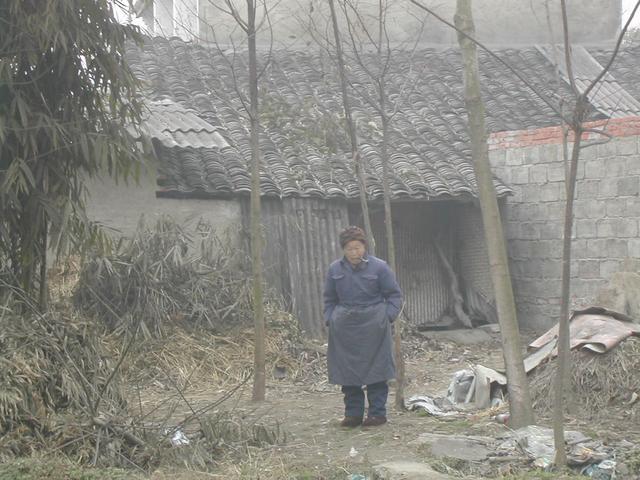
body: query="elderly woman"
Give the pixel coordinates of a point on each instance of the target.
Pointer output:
(361, 301)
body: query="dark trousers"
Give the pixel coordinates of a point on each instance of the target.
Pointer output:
(376, 395)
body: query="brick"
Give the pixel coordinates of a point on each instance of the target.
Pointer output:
(590, 153)
(579, 248)
(531, 193)
(538, 174)
(595, 169)
(626, 146)
(586, 228)
(514, 156)
(531, 155)
(629, 186)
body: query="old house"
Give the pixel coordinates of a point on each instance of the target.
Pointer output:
(309, 190)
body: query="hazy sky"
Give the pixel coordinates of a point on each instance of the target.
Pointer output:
(627, 6)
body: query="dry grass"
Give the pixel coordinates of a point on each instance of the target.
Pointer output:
(598, 381)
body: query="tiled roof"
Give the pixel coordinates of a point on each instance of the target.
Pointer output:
(303, 141)
(609, 97)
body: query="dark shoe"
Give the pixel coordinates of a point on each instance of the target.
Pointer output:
(374, 421)
(351, 422)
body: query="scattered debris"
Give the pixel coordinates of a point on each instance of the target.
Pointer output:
(471, 336)
(537, 443)
(437, 407)
(604, 470)
(179, 438)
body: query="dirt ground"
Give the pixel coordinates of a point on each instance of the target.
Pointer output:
(300, 422)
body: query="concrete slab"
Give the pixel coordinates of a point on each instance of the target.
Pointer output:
(407, 470)
(468, 448)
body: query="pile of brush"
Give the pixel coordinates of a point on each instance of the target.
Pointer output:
(598, 381)
(164, 275)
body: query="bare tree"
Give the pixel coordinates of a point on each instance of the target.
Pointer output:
(385, 110)
(250, 27)
(351, 127)
(519, 397)
(577, 126)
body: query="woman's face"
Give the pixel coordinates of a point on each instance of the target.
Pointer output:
(354, 251)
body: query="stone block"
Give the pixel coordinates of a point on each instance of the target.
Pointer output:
(616, 248)
(614, 167)
(555, 211)
(589, 269)
(589, 209)
(596, 248)
(595, 169)
(551, 269)
(587, 189)
(629, 186)
(628, 227)
(555, 173)
(627, 146)
(633, 247)
(531, 155)
(589, 153)
(513, 157)
(549, 153)
(632, 165)
(519, 175)
(609, 267)
(586, 228)
(615, 207)
(606, 149)
(497, 158)
(551, 230)
(531, 193)
(552, 192)
(608, 188)
(406, 470)
(579, 248)
(538, 173)
(530, 231)
(607, 227)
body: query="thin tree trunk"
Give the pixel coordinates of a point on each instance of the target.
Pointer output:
(44, 286)
(519, 397)
(259, 381)
(355, 151)
(391, 252)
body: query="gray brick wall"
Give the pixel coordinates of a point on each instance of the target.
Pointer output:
(606, 232)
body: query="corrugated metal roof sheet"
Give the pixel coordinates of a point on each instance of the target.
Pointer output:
(177, 126)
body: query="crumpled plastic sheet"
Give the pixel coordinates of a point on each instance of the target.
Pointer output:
(437, 407)
(537, 443)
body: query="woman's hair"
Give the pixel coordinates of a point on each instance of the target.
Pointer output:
(352, 233)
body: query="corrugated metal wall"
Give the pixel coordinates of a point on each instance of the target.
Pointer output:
(301, 241)
(473, 257)
(419, 272)
(312, 228)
